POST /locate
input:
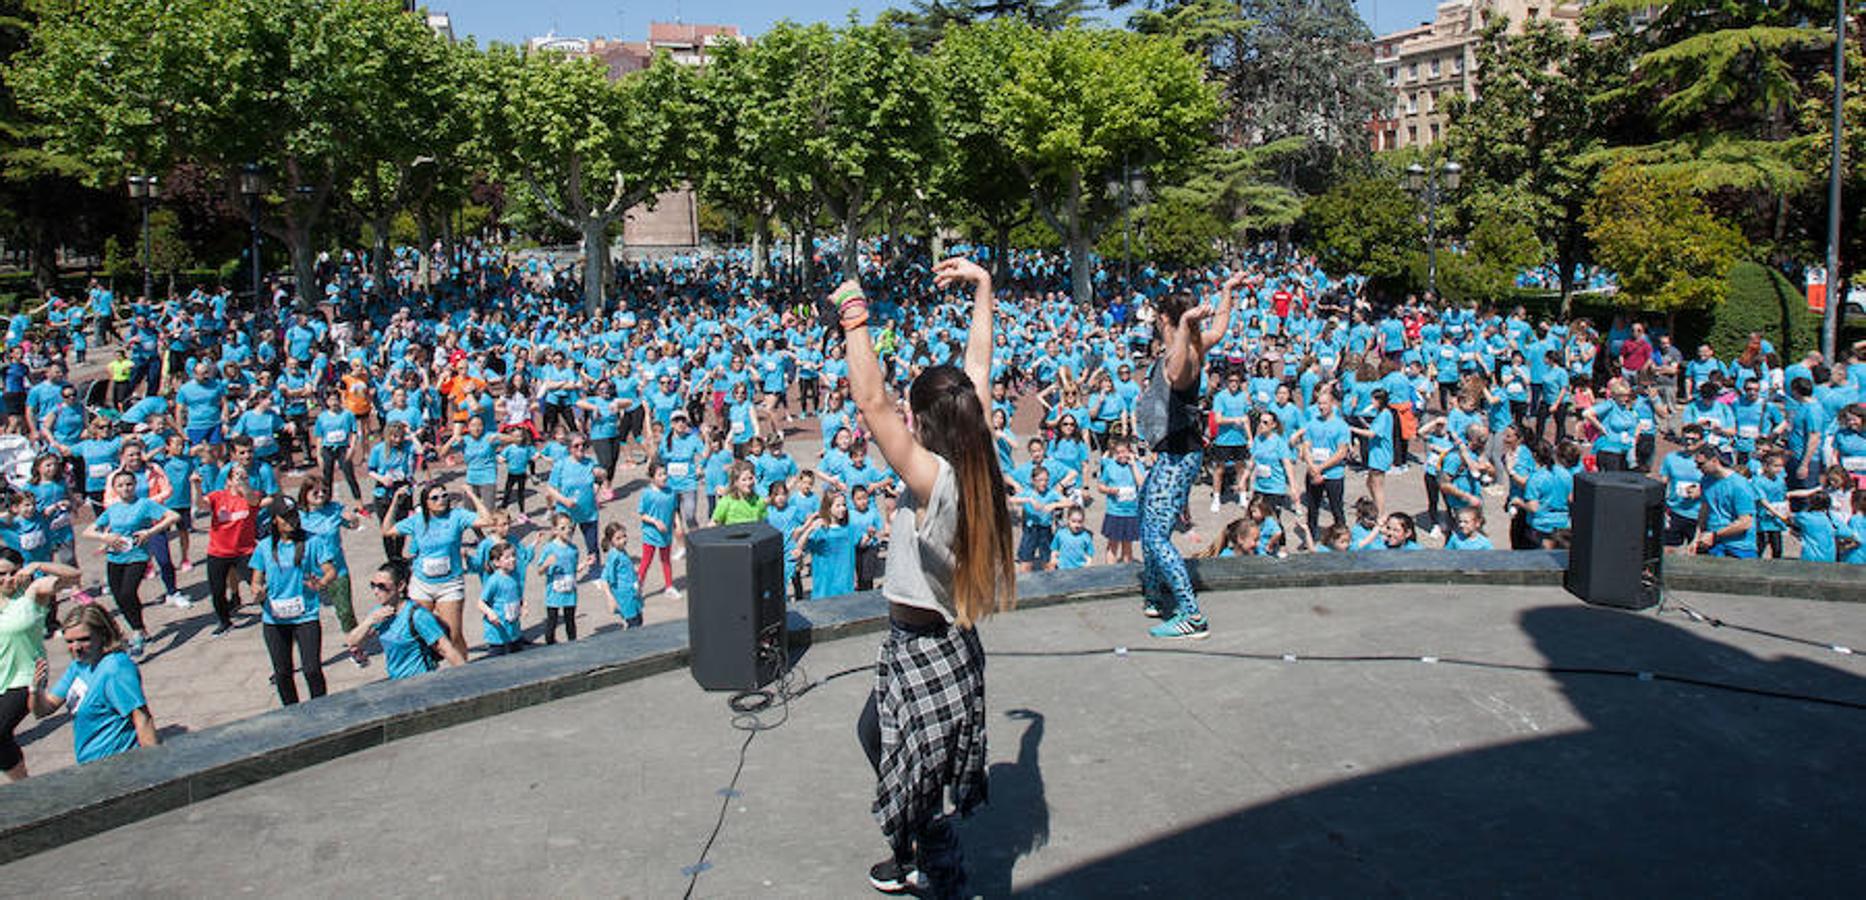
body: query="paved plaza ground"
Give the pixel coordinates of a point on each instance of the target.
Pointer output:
(1160, 774)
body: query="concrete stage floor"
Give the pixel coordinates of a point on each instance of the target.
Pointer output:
(1164, 774)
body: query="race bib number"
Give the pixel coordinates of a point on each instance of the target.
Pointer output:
(678, 469)
(1747, 432)
(564, 584)
(508, 612)
(231, 515)
(738, 428)
(436, 566)
(1125, 495)
(264, 441)
(1320, 455)
(1263, 470)
(98, 470)
(335, 437)
(287, 607)
(32, 540)
(1689, 490)
(1853, 463)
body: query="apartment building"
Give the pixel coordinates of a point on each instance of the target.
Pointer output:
(1426, 65)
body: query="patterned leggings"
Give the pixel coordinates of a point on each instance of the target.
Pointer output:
(1163, 578)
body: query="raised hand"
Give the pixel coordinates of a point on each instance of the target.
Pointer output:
(959, 270)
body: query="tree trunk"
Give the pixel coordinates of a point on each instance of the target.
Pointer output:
(1078, 240)
(1000, 251)
(851, 242)
(595, 257)
(379, 254)
(304, 263)
(424, 243)
(761, 243)
(44, 260)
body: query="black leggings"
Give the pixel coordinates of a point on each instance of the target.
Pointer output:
(1329, 490)
(607, 449)
(220, 586)
(552, 614)
(12, 712)
(338, 458)
(124, 580)
(1770, 544)
(514, 492)
(309, 639)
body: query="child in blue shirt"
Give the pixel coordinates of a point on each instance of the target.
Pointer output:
(1470, 532)
(1074, 546)
(618, 579)
(831, 541)
(501, 602)
(658, 506)
(562, 565)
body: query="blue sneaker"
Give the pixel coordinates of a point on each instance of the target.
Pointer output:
(1150, 609)
(1182, 627)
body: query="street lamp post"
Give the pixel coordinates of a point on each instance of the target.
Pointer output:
(253, 186)
(1830, 318)
(1433, 185)
(143, 190)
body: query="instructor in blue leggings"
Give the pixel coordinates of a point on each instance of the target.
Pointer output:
(1173, 426)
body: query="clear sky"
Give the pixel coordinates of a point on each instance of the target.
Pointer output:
(514, 20)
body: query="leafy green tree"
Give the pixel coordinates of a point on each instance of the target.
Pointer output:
(1078, 106)
(978, 171)
(169, 253)
(1366, 224)
(1713, 99)
(862, 119)
(1669, 251)
(1529, 141)
(586, 148)
(296, 86)
(1238, 187)
(748, 166)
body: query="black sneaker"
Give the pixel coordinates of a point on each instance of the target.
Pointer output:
(222, 628)
(890, 877)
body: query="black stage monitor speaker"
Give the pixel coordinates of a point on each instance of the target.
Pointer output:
(1618, 545)
(735, 606)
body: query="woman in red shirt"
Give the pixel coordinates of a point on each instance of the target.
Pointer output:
(232, 533)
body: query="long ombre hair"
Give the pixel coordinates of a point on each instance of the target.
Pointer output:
(949, 422)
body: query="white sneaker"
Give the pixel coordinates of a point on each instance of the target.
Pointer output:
(680, 552)
(179, 600)
(1217, 504)
(672, 593)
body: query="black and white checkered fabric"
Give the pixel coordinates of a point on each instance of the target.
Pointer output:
(930, 700)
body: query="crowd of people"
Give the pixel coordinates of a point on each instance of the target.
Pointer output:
(513, 451)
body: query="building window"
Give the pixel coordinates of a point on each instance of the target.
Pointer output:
(1392, 75)
(1534, 13)
(1434, 67)
(1412, 72)
(1457, 65)
(1392, 138)
(1412, 103)
(1412, 134)
(1434, 132)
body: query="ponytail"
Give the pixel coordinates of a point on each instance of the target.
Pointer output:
(951, 424)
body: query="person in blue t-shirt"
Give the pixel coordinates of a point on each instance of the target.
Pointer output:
(657, 508)
(562, 567)
(1326, 441)
(1074, 546)
(1119, 479)
(102, 687)
(501, 602)
(413, 641)
(436, 529)
(1727, 521)
(124, 528)
(1470, 531)
(572, 488)
(618, 576)
(479, 449)
(831, 541)
(336, 431)
(290, 571)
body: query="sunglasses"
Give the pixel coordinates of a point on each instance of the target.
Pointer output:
(381, 586)
(77, 639)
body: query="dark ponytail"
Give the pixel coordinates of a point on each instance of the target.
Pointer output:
(950, 422)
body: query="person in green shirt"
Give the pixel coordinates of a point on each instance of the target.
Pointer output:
(741, 502)
(120, 370)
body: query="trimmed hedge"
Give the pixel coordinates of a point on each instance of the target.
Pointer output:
(1760, 301)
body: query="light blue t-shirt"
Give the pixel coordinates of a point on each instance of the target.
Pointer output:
(1073, 549)
(125, 519)
(101, 700)
(1325, 437)
(404, 635)
(287, 601)
(437, 543)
